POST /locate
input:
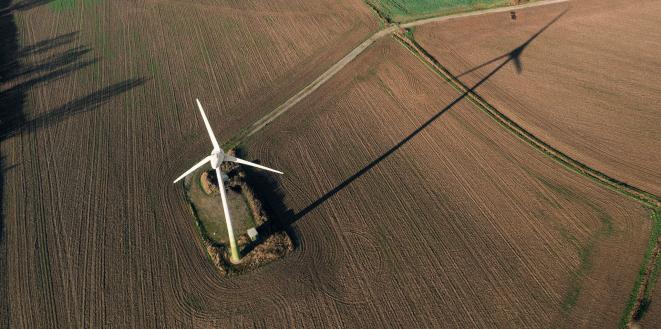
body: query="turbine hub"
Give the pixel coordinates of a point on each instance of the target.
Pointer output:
(217, 158)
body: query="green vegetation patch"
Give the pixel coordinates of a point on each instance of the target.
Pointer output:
(62, 5)
(408, 10)
(585, 248)
(654, 236)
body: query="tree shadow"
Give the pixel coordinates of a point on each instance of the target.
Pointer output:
(48, 44)
(8, 52)
(3, 170)
(4, 280)
(2, 174)
(17, 78)
(273, 194)
(80, 105)
(6, 7)
(60, 60)
(642, 309)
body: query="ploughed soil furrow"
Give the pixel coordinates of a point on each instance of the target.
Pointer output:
(93, 232)
(645, 197)
(584, 85)
(466, 225)
(407, 210)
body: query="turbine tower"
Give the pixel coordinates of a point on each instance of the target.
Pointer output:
(216, 158)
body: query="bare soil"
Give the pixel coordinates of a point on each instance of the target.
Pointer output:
(95, 122)
(585, 84)
(460, 225)
(465, 224)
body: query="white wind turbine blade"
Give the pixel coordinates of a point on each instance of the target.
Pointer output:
(230, 230)
(198, 165)
(216, 147)
(241, 161)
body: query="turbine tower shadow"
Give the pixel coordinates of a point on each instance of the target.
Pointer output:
(285, 217)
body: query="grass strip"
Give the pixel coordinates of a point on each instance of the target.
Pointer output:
(402, 11)
(649, 271)
(648, 199)
(645, 281)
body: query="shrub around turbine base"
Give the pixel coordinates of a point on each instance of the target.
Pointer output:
(254, 254)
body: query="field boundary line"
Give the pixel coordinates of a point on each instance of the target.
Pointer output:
(310, 88)
(479, 12)
(641, 293)
(262, 122)
(648, 272)
(568, 162)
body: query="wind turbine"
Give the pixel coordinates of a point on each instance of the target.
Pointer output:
(216, 158)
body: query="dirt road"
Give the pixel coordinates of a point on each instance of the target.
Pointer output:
(268, 118)
(265, 120)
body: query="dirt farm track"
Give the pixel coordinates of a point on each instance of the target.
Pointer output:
(411, 207)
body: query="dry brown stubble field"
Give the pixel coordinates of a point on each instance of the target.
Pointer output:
(588, 84)
(410, 211)
(461, 226)
(97, 102)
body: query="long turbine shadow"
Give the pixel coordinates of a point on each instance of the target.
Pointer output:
(515, 54)
(285, 217)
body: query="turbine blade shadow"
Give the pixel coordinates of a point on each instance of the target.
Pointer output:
(409, 137)
(269, 190)
(515, 54)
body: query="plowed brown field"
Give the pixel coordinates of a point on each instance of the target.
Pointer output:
(459, 225)
(587, 84)
(452, 222)
(101, 104)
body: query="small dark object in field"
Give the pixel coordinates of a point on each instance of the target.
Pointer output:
(513, 15)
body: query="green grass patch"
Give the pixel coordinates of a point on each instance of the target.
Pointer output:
(576, 281)
(585, 249)
(408, 10)
(648, 199)
(656, 218)
(654, 235)
(153, 68)
(62, 5)
(209, 211)
(364, 76)
(410, 33)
